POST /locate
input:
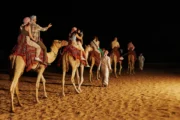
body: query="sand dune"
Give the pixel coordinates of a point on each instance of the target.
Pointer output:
(144, 96)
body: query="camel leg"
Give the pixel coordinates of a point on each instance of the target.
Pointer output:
(63, 81)
(115, 66)
(77, 76)
(44, 85)
(17, 94)
(64, 73)
(82, 77)
(129, 64)
(40, 72)
(133, 62)
(74, 68)
(120, 67)
(91, 68)
(98, 76)
(19, 68)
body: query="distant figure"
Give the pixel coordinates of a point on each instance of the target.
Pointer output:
(105, 67)
(141, 59)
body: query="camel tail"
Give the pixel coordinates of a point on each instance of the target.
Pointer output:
(12, 59)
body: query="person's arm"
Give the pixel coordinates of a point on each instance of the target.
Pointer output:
(133, 47)
(21, 27)
(109, 64)
(118, 45)
(78, 37)
(30, 34)
(39, 28)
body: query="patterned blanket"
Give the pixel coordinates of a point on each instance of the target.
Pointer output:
(74, 52)
(132, 52)
(97, 57)
(116, 52)
(28, 54)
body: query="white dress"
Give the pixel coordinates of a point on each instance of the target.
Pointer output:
(141, 62)
(104, 67)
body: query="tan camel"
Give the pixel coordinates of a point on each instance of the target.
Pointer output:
(115, 60)
(18, 66)
(93, 60)
(131, 62)
(67, 59)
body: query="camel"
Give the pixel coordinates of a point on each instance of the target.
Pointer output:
(115, 59)
(131, 62)
(18, 66)
(94, 61)
(68, 59)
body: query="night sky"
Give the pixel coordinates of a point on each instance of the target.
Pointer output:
(158, 42)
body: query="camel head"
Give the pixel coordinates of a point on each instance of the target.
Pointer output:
(59, 44)
(88, 48)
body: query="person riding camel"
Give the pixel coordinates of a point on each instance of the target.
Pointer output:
(73, 36)
(95, 45)
(35, 29)
(115, 45)
(131, 48)
(24, 38)
(80, 43)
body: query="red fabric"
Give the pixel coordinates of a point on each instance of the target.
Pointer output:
(28, 53)
(74, 52)
(116, 52)
(132, 52)
(97, 57)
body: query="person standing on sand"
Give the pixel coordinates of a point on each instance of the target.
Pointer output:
(105, 67)
(141, 59)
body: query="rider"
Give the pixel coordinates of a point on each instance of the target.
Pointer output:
(115, 43)
(26, 37)
(35, 28)
(115, 46)
(80, 43)
(95, 44)
(131, 48)
(73, 36)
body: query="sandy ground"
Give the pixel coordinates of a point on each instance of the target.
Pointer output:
(146, 95)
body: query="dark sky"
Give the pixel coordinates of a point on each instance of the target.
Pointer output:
(158, 42)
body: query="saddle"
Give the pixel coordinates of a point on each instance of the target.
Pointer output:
(132, 52)
(74, 52)
(97, 57)
(28, 53)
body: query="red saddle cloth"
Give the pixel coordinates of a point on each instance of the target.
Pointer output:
(97, 57)
(132, 52)
(74, 52)
(28, 53)
(116, 52)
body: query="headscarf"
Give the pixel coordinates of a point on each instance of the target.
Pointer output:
(33, 17)
(26, 20)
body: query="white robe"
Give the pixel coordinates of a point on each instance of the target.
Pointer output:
(104, 67)
(141, 62)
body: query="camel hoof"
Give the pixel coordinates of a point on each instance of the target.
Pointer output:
(38, 101)
(77, 91)
(12, 110)
(63, 95)
(80, 90)
(20, 104)
(45, 95)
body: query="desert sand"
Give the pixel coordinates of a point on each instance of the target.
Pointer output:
(147, 95)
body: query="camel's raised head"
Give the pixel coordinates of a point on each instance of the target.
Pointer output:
(88, 48)
(60, 43)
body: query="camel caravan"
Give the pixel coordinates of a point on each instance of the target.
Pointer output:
(30, 53)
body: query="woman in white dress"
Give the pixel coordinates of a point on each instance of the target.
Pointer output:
(105, 68)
